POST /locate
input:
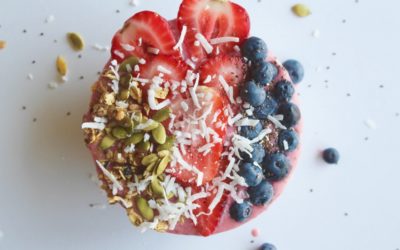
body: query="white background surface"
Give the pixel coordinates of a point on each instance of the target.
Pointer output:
(45, 189)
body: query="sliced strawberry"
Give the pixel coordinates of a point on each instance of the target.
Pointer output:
(176, 67)
(144, 30)
(207, 224)
(213, 19)
(209, 163)
(232, 68)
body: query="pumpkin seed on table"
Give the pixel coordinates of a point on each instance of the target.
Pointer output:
(3, 44)
(76, 41)
(119, 133)
(135, 139)
(149, 159)
(162, 165)
(107, 142)
(159, 134)
(62, 66)
(301, 10)
(162, 114)
(145, 210)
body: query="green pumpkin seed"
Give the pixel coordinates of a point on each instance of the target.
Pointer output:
(136, 94)
(143, 146)
(145, 210)
(123, 95)
(119, 133)
(301, 10)
(164, 153)
(162, 165)
(150, 125)
(76, 41)
(107, 142)
(62, 66)
(169, 143)
(156, 187)
(159, 134)
(135, 139)
(149, 169)
(131, 61)
(162, 114)
(125, 81)
(149, 159)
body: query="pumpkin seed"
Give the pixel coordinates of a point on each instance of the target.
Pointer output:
(136, 94)
(131, 61)
(162, 114)
(135, 139)
(301, 10)
(149, 159)
(76, 41)
(145, 210)
(135, 218)
(143, 146)
(125, 80)
(119, 133)
(62, 66)
(162, 165)
(123, 95)
(2, 44)
(107, 142)
(149, 169)
(156, 187)
(169, 143)
(151, 125)
(159, 134)
(137, 116)
(164, 153)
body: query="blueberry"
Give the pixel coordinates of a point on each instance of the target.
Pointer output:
(288, 140)
(251, 132)
(331, 155)
(240, 211)
(251, 173)
(291, 114)
(263, 72)
(255, 49)
(253, 94)
(283, 91)
(261, 194)
(267, 246)
(256, 156)
(295, 70)
(268, 107)
(276, 166)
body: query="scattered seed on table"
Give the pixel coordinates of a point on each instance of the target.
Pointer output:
(346, 214)
(117, 11)
(24, 31)
(348, 94)
(33, 61)
(334, 54)
(34, 119)
(3, 44)
(366, 138)
(328, 67)
(381, 86)
(311, 190)
(81, 77)
(301, 10)
(41, 34)
(68, 113)
(344, 21)
(23, 108)
(79, 56)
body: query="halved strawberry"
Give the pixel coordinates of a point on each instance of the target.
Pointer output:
(207, 224)
(213, 19)
(232, 68)
(208, 163)
(171, 67)
(142, 31)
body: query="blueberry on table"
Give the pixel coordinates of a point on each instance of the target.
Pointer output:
(253, 94)
(251, 173)
(257, 155)
(240, 211)
(283, 91)
(267, 246)
(263, 72)
(291, 114)
(254, 49)
(251, 132)
(267, 108)
(276, 166)
(288, 140)
(295, 70)
(261, 194)
(331, 155)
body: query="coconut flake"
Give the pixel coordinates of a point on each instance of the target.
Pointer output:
(127, 47)
(178, 45)
(228, 89)
(247, 122)
(164, 70)
(111, 177)
(93, 125)
(276, 122)
(154, 51)
(203, 41)
(207, 80)
(226, 39)
(142, 61)
(99, 47)
(190, 63)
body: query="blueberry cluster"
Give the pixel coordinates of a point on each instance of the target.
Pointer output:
(262, 167)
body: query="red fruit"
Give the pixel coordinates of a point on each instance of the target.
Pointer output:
(143, 30)
(232, 68)
(207, 224)
(176, 66)
(212, 18)
(209, 164)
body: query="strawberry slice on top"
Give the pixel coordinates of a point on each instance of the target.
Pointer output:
(212, 19)
(171, 68)
(143, 35)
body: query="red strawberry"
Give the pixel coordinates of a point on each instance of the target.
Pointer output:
(209, 164)
(175, 66)
(144, 30)
(212, 19)
(207, 224)
(232, 68)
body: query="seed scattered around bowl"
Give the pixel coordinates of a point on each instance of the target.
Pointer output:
(34, 120)
(41, 34)
(301, 10)
(24, 31)
(23, 107)
(3, 44)
(76, 41)
(68, 113)
(62, 66)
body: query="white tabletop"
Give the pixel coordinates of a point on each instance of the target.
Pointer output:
(351, 77)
